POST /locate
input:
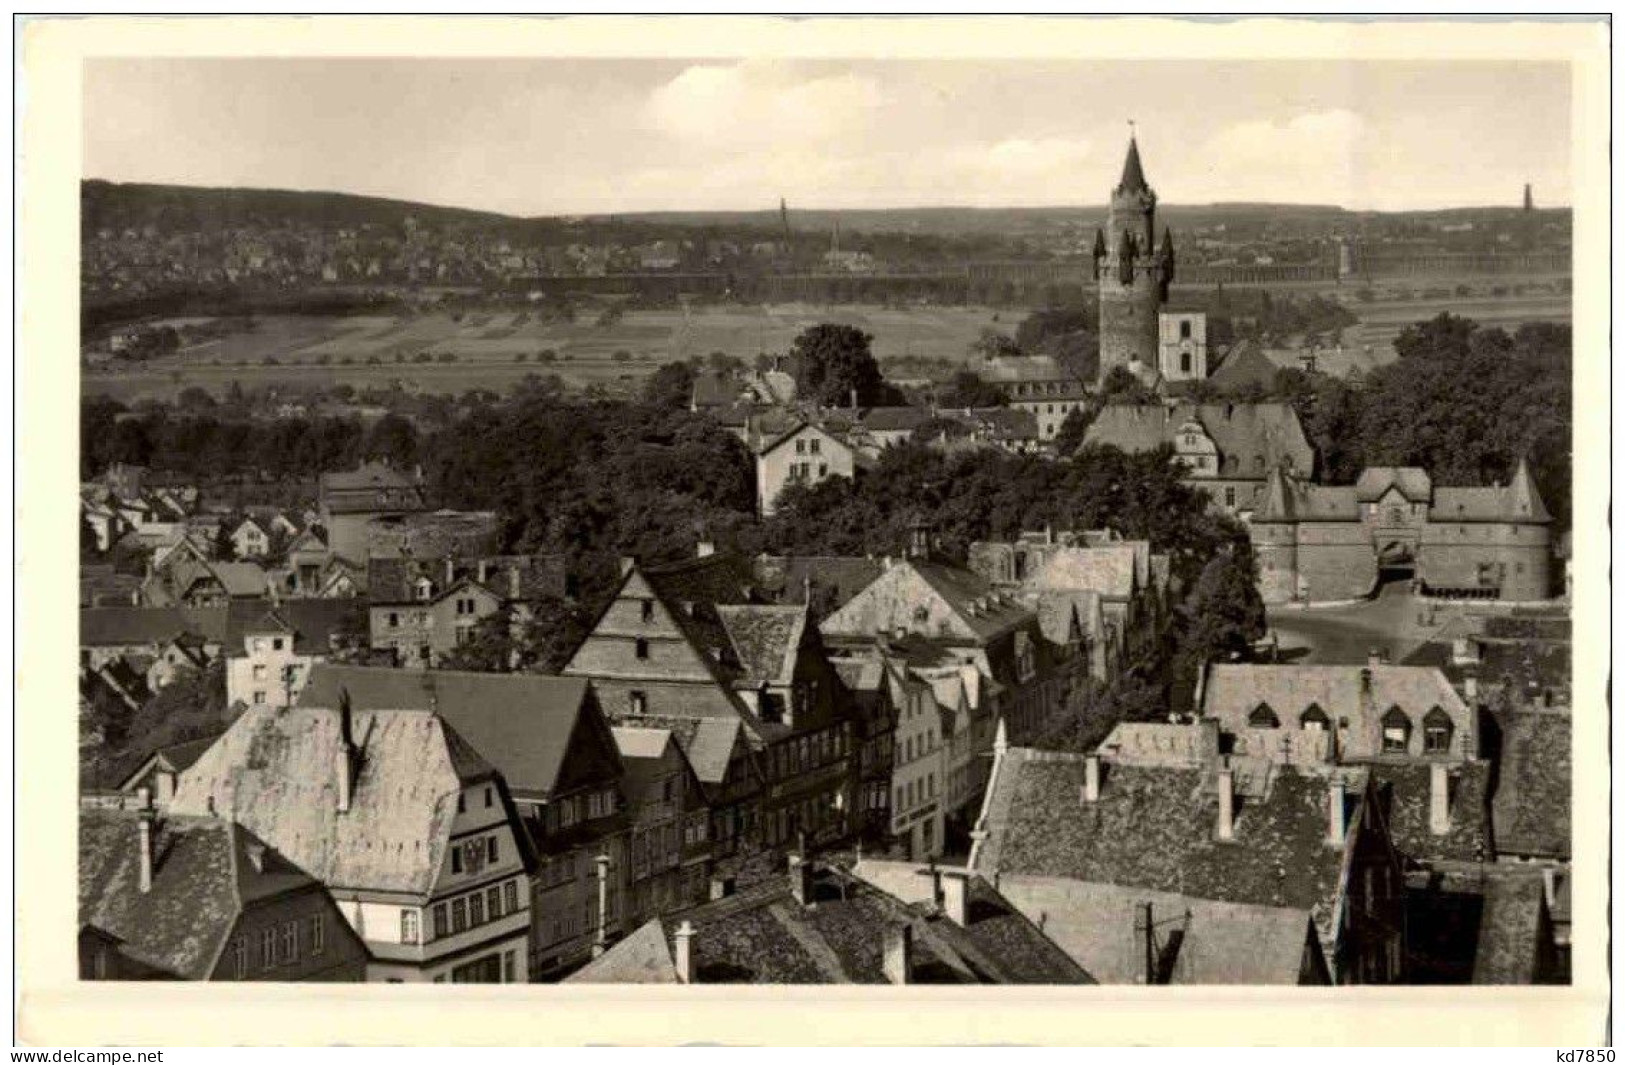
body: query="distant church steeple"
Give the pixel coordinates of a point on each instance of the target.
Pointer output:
(1528, 196)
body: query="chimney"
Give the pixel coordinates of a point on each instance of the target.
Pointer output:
(345, 757)
(704, 549)
(1150, 929)
(1336, 828)
(852, 395)
(1438, 799)
(1091, 778)
(451, 571)
(513, 582)
(898, 953)
(1377, 656)
(628, 563)
(801, 875)
(954, 901)
(600, 941)
(146, 832)
(1227, 803)
(1548, 879)
(685, 953)
(1210, 739)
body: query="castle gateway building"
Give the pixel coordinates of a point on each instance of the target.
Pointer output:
(1325, 542)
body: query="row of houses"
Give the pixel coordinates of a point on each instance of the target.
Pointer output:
(708, 724)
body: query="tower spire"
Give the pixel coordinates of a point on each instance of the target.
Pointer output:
(1133, 173)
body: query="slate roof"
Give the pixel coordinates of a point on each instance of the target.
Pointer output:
(1533, 803)
(1288, 499)
(834, 579)
(968, 605)
(314, 623)
(112, 626)
(1110, 571)
(1154, 827)
(1057, 609)
(273, 771)
(894, 419)
(717, 389)
(1245, 366)
(1232, 691)
(390, 578)
(1409, 792)
(1510, 930)
(240, 579)
(765, 639)
(367, 475)
(1258, 436)
(707, 742)
(763, 935)
(1002, 929)
(1375, 481)
(1101, 927)
(202, 880)
(176, 756)
(521, 723)
(721, 578)
(644, 957)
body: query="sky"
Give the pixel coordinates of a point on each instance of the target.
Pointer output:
(580, 136)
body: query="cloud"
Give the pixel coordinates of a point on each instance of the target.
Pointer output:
(754, 104)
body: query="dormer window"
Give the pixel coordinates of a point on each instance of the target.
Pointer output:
(1314, 719)
(1437, 731)
(425, 588)
(1396, 731)
(1263, 717)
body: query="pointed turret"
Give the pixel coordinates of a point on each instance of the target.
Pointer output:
(1165, 251)
(1133, 174)
(1525, 497)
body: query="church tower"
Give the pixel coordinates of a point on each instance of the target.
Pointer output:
(1133, 270)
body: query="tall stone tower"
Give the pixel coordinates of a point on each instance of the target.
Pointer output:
(1133, 271)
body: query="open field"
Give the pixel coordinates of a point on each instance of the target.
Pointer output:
(489, 347)
(496, 349)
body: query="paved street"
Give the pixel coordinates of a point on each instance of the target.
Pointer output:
(1346, 635)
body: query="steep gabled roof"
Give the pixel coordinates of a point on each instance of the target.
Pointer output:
(1534, 795)
(1360, 694)
(1112, 571)
(274, 771)
(765, 935)
(766, 640)
(1152, 827)
(1197, 940)
(521, 723)
(1511, 928)
(201, 881)
(931, 600)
